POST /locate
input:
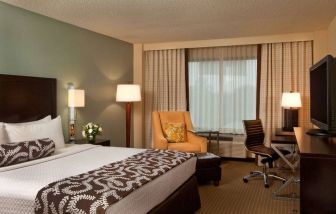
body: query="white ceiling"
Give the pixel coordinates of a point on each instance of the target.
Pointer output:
(148, 21)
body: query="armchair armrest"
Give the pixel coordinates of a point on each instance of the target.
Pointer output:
(202, 141)
(159, 141)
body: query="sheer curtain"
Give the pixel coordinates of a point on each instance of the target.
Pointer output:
(284, 68)
(222, 87)
(164, 85)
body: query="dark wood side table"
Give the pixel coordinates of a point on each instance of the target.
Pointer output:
(207, 134)
(280, 132)
(102, 142)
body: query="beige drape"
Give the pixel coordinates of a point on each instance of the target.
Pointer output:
(284, 68)
(165, 87)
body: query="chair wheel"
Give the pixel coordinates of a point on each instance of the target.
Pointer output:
(245, 180)
(266, 185)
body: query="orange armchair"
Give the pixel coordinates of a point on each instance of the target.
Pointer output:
(193, 142)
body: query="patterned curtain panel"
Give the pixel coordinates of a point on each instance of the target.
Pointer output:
(222, 87)
(164, 85)
(284, 68)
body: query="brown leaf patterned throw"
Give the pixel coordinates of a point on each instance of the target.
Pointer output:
(96, 190)
(14, 153)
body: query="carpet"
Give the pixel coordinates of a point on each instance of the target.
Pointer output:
(234, 196)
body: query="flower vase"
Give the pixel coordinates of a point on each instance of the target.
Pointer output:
(91, 139)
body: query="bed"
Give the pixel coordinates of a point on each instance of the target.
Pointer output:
(174, 191)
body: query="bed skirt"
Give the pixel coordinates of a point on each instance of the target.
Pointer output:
(185, 199)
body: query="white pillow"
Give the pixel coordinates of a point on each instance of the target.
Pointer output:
(49, 129)
(3, 135)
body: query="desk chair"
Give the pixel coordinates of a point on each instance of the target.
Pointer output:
(255, 143)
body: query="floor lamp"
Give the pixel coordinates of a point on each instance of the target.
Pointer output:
(291, 102)
(128, 93)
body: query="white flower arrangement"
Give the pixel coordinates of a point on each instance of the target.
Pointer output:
(90, 131)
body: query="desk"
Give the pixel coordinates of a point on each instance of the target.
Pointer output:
(278, 143)
(280, 132)
(318, 172)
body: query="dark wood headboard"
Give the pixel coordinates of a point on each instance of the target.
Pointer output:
(24, 99)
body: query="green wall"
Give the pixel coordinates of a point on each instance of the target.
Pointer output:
(35, 45)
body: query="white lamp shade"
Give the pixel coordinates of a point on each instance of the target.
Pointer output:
(76, 98)
(128, 93)
(291, 100)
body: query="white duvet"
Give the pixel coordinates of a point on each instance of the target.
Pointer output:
(20, 183)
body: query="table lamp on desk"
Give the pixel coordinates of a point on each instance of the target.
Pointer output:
(291, 102)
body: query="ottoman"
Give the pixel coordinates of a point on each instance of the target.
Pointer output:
(208, 168)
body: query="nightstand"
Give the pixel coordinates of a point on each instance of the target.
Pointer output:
(102, 142)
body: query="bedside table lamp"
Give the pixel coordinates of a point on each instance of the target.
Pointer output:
(291, 102)
(76, 98)
(128, 93)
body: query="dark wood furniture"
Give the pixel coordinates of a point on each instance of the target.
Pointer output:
(26, 99)
(184, 200)
(281, 132)
(102, 142)
(317, 171)
(284, 142)
(208, 168)
(284, 139)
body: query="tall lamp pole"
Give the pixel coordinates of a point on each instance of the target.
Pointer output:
(128, 93)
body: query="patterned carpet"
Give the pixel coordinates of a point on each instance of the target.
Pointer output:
(236, 197)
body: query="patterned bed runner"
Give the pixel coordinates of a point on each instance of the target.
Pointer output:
(96, 190)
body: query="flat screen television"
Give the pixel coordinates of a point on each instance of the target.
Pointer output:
(323, 96)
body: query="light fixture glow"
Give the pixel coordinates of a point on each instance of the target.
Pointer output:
(291, 100)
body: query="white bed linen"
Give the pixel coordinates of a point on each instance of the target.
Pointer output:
(19, 184)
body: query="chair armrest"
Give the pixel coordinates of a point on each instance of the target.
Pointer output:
(159, 141)
(202, 141)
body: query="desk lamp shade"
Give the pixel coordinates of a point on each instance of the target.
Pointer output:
(291, 102)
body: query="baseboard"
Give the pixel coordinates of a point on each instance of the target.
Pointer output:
(238, 159)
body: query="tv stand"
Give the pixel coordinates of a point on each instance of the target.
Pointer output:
(320, 132)
(317, 172)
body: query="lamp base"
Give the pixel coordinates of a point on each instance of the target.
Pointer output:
(290, 119)
(128, 124)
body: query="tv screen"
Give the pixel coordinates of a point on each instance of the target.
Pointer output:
(318, 94)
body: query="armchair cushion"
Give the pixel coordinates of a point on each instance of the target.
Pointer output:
(175, 132)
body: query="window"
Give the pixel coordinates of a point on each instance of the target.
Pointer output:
(222, 92)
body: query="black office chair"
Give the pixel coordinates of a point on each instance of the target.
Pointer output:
(255, 143)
